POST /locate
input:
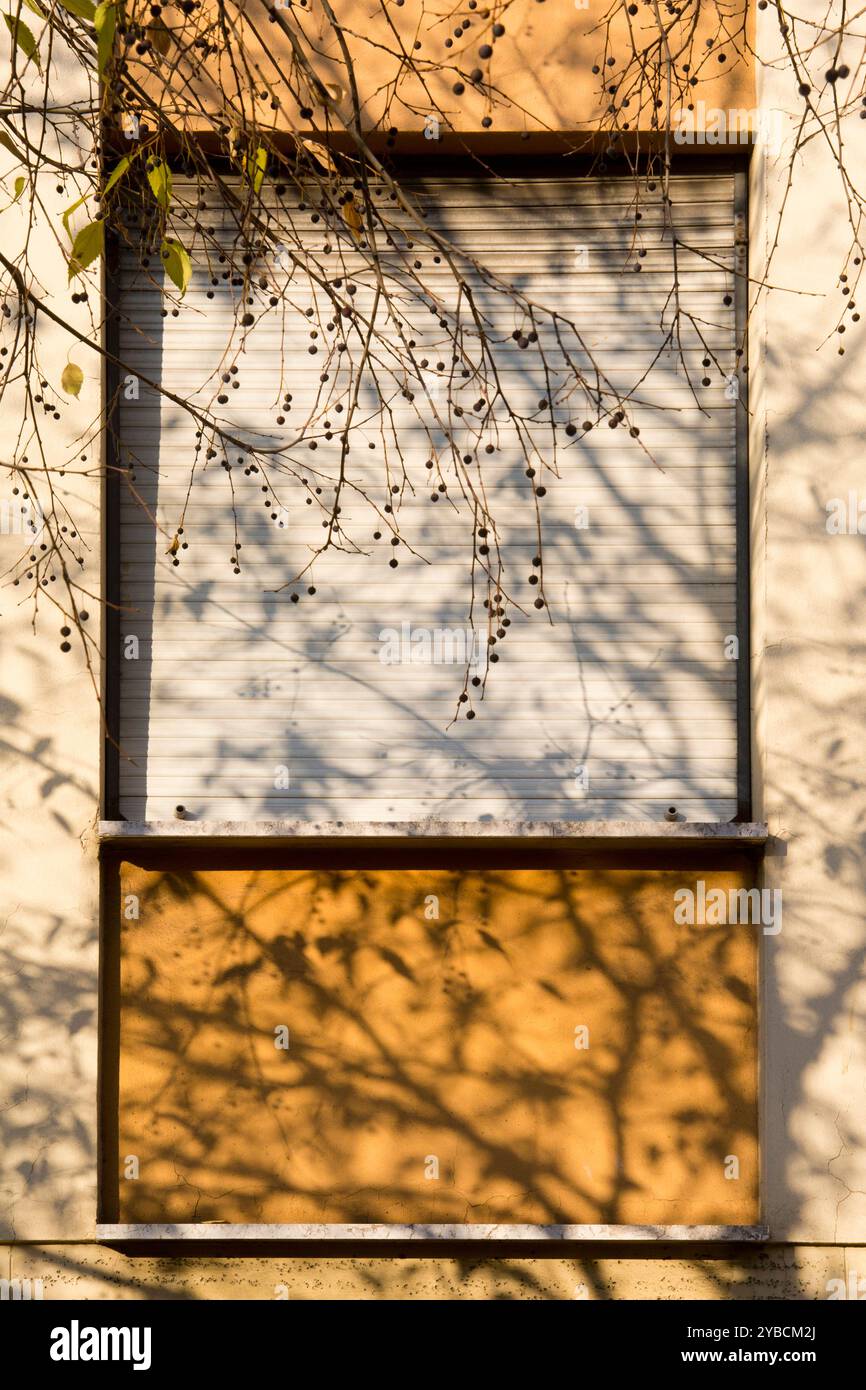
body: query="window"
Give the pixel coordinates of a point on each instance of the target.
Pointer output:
(245, 695)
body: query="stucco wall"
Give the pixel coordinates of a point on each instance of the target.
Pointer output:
(538, 77)
(520, 1046)
(49, 765)
(808, 427)
(809, 420)
(81, 1271)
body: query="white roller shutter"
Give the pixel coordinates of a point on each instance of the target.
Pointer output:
(242, 704)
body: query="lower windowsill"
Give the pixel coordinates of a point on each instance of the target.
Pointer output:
(216, 1230)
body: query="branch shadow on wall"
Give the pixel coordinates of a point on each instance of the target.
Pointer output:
(431, 1046)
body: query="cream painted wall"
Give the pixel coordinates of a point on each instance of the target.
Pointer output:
(808, 655)
(85, 1271)
(809, 601)
(49, 765)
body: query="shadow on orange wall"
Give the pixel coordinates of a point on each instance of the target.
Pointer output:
(348, 1045)
(546, 70)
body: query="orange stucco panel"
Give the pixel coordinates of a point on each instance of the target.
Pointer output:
(538, 76)
(436, 1069)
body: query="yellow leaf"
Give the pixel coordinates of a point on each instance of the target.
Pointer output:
(159, 36)
(255, 166)
(86, 247)
(72, 379)
(84, 9)
(175, 546)
(321, 154)
(9, 144)
(159, 178)
(117, 173)
(70, 210)
(177, 263)
(352, 218)
(105, 23)
(23, 37)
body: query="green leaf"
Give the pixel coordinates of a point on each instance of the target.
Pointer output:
(35, 6)
(86, 247)
(177, 264)
(159, 178)
(105, 22)
(255, 166)
(117, 173)
(82, 8)
(24, 38)
(72, 379)
(20, 185)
